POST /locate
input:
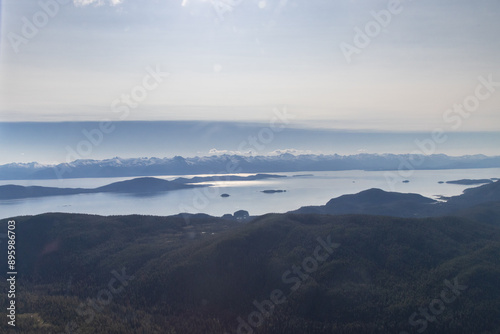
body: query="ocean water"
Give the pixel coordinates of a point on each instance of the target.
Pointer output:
(312, 188)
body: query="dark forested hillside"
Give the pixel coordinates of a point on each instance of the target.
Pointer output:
(291, 273)
(377, 202)
(380, 202)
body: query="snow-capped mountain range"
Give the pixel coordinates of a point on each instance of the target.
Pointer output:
(227, 164)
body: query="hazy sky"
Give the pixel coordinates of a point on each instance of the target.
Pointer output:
(50, 143)
(236, 60)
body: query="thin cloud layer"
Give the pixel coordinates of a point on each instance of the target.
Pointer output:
(406, 72)
(96, 2)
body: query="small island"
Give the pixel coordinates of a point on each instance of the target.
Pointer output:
(468, 182)
(273, 191)
(225, 195)
(406, 181)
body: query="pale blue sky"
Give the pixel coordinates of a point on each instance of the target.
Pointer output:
(259, 56)
(50, 143)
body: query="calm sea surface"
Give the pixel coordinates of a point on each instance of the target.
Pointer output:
(300, 191)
